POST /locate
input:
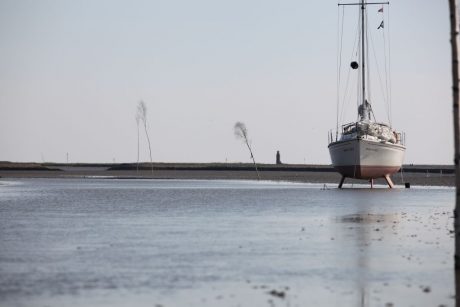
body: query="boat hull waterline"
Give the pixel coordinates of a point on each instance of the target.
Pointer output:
(366, 159)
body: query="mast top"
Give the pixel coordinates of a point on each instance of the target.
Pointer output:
(363, 3)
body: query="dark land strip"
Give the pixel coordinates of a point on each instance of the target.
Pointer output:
(425, 175)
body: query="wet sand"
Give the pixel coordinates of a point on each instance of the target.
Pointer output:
(427, 176)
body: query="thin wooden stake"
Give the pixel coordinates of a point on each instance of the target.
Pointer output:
(455, 96)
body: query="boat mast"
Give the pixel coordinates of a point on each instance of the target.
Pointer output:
(364, 107)
(363, 70)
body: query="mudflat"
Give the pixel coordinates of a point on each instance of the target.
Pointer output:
(97, 242)
(424, 175)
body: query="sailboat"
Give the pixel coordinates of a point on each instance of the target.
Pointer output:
(366, 149)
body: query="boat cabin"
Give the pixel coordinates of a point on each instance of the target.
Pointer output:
(373, 131)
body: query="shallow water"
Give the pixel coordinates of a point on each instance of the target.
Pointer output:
(104, 242)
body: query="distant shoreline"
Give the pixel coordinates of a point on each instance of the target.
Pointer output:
(425, 175)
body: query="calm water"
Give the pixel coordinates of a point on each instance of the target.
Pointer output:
(222, 243)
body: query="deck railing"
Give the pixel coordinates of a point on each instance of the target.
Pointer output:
(334, 135)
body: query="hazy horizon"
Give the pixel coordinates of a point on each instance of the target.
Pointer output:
(73, 72)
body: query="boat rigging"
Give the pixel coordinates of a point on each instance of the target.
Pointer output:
(366, 149)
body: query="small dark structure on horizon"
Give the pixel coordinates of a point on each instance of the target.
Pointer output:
(278, 158)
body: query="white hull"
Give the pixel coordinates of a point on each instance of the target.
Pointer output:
(366, 159)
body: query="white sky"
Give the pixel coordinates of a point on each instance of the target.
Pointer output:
(72, 73)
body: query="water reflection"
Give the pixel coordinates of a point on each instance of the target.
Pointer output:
(399, 247)
(363, 224)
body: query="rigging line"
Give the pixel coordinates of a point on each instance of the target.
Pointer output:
(369, 93)
(339, 63)
(350, 96)
(359, 93)
(386, 72)
(344, 101)
(347, 88)
(389, 67)
(353, 53)
(402, 175)
(338, 71)
(347, 97)
(378, 71)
